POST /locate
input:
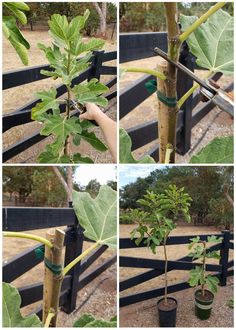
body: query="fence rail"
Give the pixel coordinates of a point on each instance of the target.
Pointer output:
(223, 270)
(24, 76)
(135, 46)
(23, 219)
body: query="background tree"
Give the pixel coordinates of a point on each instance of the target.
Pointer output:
(211, 189)
(102, 13)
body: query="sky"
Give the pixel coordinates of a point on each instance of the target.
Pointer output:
(129, 173)
(103, 173)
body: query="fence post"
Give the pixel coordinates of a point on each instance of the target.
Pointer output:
(184, 84)
(72, 251)
(224, 257)
(96, 65)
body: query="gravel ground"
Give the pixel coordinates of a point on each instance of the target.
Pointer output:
(144, 314)
(216, 124)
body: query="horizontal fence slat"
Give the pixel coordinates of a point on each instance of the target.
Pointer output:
(231, 245)
(21, 146)
(109, 56)
(132, 96)
(32, 293)
(230, 263)
(230, 272)
(20, 264)
(135, 46)
(111, 82)
(89, 261)
(30, 218)
(137, 297)
(84, 280)
(108, 70)
(126, 243)
(160, 264)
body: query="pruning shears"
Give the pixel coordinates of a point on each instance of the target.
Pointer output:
(210, 90)
(80, 109)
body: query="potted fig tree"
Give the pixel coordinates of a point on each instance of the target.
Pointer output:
(204, 295)
(162, 211)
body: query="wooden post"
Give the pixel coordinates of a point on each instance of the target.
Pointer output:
(97, 63)
(58, 260)
(48, 278)
(224, 257)
(72, 251)
(167, 117)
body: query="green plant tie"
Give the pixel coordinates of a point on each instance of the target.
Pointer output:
(151, 86)
(39, 252)
(170, 102)
(55, 269)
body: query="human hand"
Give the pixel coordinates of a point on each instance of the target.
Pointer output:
(93, 112)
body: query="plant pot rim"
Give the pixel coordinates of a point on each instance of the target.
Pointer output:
(199, 290)
(170, 298)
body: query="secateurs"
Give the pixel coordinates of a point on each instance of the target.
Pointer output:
(218, 96)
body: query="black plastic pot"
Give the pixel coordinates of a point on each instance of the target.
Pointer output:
(203, 305)
(167, 315)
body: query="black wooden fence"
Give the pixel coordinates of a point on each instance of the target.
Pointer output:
(29, 75)
(22, 219)
(223, 270)
(135, 46)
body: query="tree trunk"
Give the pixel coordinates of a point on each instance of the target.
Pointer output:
(167, 94)
(102, 13)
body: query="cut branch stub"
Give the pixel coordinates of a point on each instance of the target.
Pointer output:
(167, 114)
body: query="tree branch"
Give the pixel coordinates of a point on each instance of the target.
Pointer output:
(63, 182)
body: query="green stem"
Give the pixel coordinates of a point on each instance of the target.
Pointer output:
(48, 319)
(148, 71)
(79, 258)
(201, 20)
(67, 141)
(191, 91)
(28, 236)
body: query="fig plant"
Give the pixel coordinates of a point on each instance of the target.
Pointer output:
(198, 276)
(212, 45)
(98, 218)
(157, 220)
(66, 63)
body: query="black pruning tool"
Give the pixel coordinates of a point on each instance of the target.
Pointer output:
(218, 96)
(80, 109)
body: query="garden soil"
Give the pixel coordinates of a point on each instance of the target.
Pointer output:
(102, 289)
(216, 124)
(144, 314)
(16, 97)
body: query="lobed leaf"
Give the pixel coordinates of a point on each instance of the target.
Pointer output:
(97, 216)
(125, 151)
(218, 151)
(12, 317)
(212, 43)
(91, 92)
(212, 282)
(49, 101)
(91, 138)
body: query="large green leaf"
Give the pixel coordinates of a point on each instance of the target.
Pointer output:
(98, 216)
(17, 10)
(61, 126)
(12, 317)
(14, 35)
(91, 92)
(80, 47)
(212, 282)
(125, 151)
(91, 138)
(218, 151)
(49, 101)
(89, 321)
(212, 42)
